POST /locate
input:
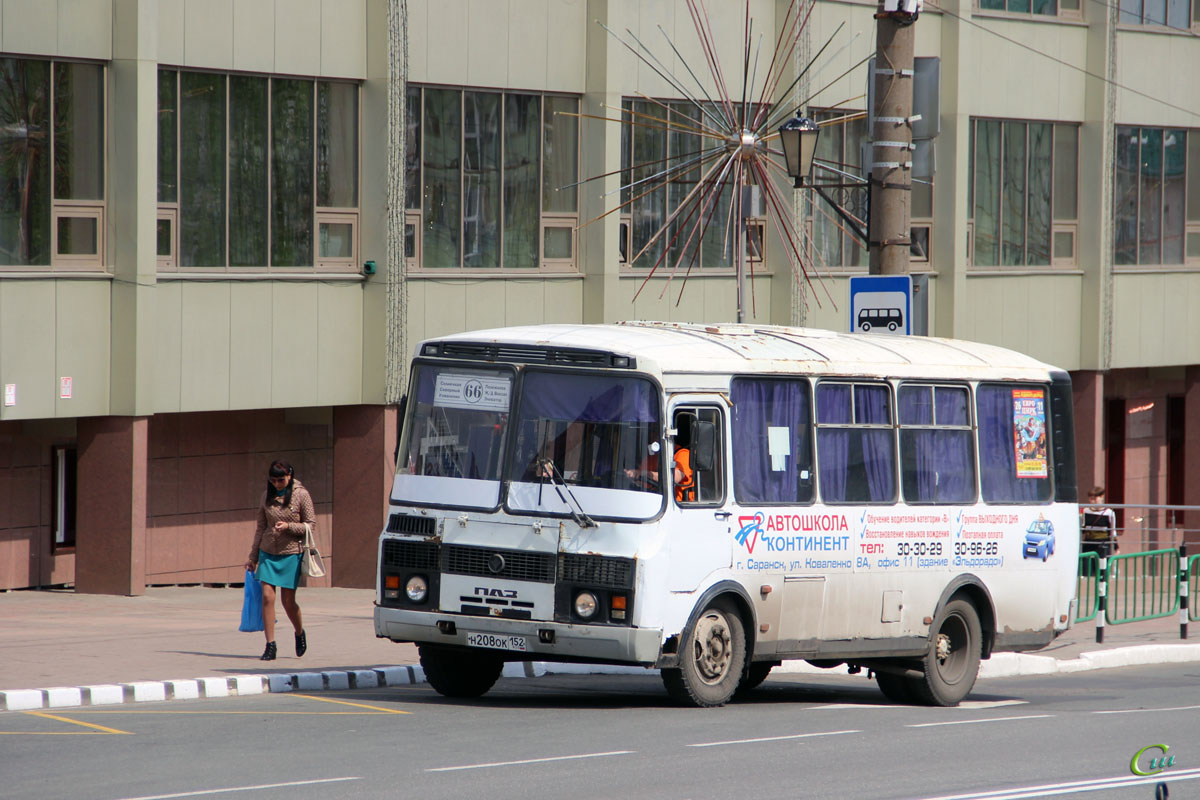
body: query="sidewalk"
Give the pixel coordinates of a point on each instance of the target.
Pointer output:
(56, 644)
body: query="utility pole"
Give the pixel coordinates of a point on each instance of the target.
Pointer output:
(891, 150)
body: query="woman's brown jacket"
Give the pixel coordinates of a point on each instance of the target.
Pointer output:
(272, 510)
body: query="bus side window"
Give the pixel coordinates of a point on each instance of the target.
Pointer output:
(699, 448)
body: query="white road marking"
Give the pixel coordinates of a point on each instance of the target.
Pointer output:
(975, 721)
(1051, 789)
(1147, 710)
(966, 705)
(772, 738)
(530, 761)
(256, 788)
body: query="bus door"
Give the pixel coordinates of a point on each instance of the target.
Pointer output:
(697, 516)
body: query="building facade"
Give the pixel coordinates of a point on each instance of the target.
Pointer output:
(197, 277)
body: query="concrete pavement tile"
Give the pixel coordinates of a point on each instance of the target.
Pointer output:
(22, 699)
(183, 690)
(145, 691)
(249, 684)
(104, 695)
(63, 697)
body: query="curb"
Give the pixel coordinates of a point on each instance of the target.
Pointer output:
(1000, 665)
(197, 688)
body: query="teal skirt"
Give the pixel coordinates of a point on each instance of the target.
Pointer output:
(281, 571)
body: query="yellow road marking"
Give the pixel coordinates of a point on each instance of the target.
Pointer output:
(53, 733)
(101, 728)
(250, 713)
(348, 703)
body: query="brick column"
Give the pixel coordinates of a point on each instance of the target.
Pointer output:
(110, 529)
(1088, 388)
(1191, 459)
(364, 442)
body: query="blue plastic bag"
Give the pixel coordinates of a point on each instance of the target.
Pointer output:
(252, 618)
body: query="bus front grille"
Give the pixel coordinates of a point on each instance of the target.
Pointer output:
(601, 571)
(410, 555)
(487, 562)
(410, 523)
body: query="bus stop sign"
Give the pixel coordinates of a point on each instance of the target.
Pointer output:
(881, 304)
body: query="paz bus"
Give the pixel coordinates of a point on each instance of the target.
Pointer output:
(856, 499)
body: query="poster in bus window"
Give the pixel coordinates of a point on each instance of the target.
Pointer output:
(1029, 432)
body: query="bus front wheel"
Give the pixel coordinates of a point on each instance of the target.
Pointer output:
(756, 673)
(952, 661)
(711, 660)
(458, 674)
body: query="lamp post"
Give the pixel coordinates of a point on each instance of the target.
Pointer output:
(799, 139)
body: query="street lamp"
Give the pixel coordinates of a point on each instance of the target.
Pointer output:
(799, 138)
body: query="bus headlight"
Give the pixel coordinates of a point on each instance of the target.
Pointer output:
(586, 605)
(416, 589)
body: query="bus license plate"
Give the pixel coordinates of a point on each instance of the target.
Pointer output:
(491, 640)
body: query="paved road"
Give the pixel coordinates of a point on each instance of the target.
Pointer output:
(616, 736)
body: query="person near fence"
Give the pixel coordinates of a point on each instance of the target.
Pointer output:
(278, 546)
(1098, 525)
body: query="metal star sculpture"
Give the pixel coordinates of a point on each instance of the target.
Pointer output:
(739, 148)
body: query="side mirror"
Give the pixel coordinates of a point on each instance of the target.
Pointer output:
(704, 445)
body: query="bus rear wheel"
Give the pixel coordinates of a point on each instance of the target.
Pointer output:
(952, 661)
(711, 660)
(457, 674)
(897, 688)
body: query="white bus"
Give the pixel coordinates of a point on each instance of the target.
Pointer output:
(852, 499)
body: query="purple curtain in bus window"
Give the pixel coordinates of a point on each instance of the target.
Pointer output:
(425, 383)
(588, 398)
(873, 408)
(833, 444)
(757, 406)
(479, 451)
(944, 466)
(997, 451)
(951, 405)
(856, 464)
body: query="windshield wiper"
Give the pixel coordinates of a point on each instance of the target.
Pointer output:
(546, 469)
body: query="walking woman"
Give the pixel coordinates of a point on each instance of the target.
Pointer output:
(278, 543)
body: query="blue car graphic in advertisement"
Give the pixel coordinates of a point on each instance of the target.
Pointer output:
(1039, 539)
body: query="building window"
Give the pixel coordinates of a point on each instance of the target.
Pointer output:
(1043, 8)
(491, 179)
(64, 496)
(660, 171)
(1157, 196)
(840, 145)
(256, 172)
(1023, 193)
(52, 175)
(1169, 13)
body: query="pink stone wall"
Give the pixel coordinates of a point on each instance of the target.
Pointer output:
(207, 475)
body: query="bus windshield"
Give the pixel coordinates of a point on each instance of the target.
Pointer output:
(453, 448)
(584, 442)
(598, 434)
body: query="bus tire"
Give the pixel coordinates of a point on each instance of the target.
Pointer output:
(897, 688)
(457, 674)
(756, 673)
(711, 660)
(952, 661)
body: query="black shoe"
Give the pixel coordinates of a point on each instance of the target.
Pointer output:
(269, 653)
(301, 644)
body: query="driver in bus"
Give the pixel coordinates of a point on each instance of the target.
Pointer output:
(684, 476)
